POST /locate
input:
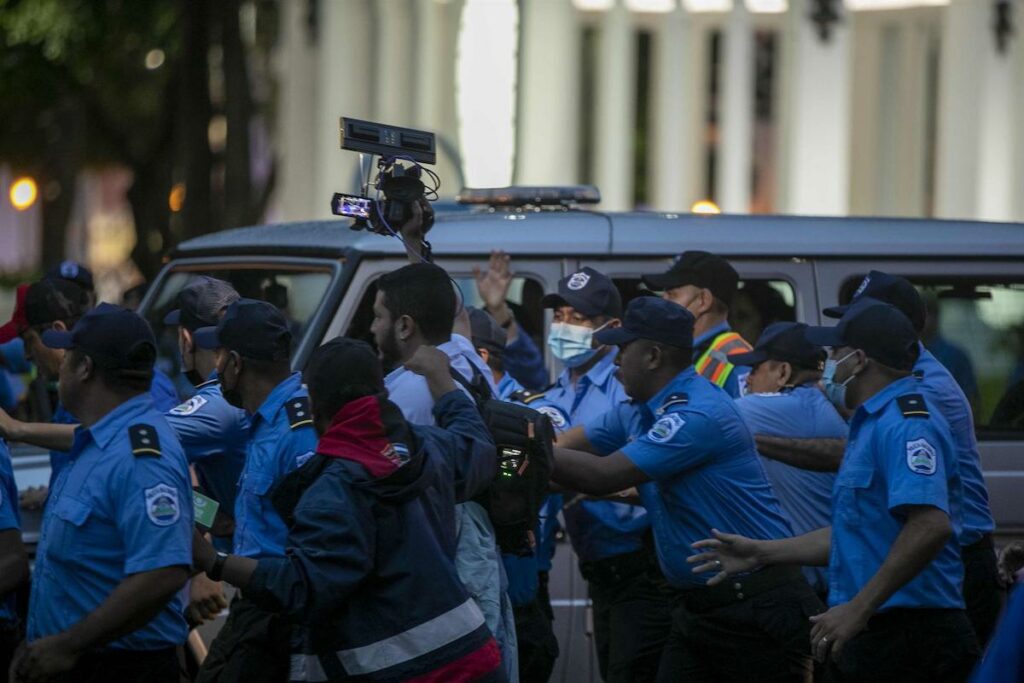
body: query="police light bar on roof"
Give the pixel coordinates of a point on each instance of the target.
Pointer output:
(530, 196)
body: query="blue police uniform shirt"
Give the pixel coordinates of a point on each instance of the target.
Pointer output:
(161, 390)
(1004, 658)
(214, 435)
(524, 361)
(690, 439)
(893, 460)
(946, 396)
(10, 518)
(281, 439)
(802, 412)
(118, 508)
(598, 529)
(508, 386)
(410, 393)
(735, 384)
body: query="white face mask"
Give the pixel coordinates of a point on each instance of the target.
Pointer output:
(572, 344)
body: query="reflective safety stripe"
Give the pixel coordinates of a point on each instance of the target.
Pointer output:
(417, 641)
(306, 668)
(714, 363)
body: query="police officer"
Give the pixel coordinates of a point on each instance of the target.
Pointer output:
(783, 399)
(705, 285)
(13, 561)
(683, 443)
(253, 347)
(213, 432)
(896, 611)
(611, 538)
(489, 340)
(115, 545)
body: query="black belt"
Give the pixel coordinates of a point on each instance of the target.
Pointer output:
(736, 589)
(612, 570)
(898, 617)
(984, 543)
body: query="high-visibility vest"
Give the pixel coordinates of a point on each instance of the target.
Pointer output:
(714, 363)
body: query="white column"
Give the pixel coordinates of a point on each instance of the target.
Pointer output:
(343, 80)
(736, 129)
(961, 78)
(999, 124)
(615, 101)
(297, 148)
(549, 65)
(394, 92)
(678, 102)
(816, 111)
(1017, 49)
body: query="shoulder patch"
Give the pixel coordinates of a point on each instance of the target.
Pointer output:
(299, 414)
(188, 407)
(525, 396)
(162, 506)
(912, 405)
(921, 458)
(665, 428)
(145, 441)
(677, 399)
(558, 419)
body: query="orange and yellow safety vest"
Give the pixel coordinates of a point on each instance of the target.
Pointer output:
(714, 363)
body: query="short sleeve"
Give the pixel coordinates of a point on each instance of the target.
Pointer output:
(915, 457)
(205, 428)
(677, 442)
(154, 513)
(610, 431)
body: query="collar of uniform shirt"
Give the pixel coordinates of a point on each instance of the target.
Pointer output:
(276, 398)
(598, 375)
(114, 422)
(882, 398)
(669, 389)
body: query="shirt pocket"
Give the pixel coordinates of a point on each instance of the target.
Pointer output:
(853, 499)
(69, 533)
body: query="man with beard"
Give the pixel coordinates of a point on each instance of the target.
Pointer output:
(253, 346)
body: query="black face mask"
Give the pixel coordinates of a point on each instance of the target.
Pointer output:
(232, 396)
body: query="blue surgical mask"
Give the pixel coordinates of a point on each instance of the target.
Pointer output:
(572, 344)
(835, 391)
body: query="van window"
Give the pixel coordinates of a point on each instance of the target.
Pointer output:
(975, 328)
(758, 303)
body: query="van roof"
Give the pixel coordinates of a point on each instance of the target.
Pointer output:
(591, 233)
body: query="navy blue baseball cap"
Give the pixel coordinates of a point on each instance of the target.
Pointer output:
(486, 331)
(878, 329)
(700, 269)
(588, 291)
(649, 317)
(889, 289)
(786, 342)
(72, 271)
(201, 303)
(114, 337)
(253, 328)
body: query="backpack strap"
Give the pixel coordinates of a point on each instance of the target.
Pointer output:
(477, 387)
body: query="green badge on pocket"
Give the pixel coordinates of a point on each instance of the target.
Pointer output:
(204, 509)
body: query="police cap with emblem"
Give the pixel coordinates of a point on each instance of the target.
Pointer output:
(700, 269)
(252, 328)
(881, 331)
(889, 289)
(655, 319)
(114, 337)
(589, 292)
(201, 303)
(72, 271)
(785, 342)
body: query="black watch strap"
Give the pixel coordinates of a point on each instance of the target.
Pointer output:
(218, 566)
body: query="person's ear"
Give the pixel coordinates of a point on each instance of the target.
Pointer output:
(404, 327)
(86, 368)
(484, 354)
(187, 344)
(654, 354)
(785, 373)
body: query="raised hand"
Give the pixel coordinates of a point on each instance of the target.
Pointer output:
(493, 285)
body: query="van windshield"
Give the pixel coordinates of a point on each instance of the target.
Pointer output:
(298, 291)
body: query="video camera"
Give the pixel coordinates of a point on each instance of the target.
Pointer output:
(398, 187)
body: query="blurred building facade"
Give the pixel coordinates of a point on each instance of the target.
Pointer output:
(830, 107)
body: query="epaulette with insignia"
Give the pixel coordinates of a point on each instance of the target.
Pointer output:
(299, 414)
(145, 441)
(912, 405)
(525, 396)
(677, 399)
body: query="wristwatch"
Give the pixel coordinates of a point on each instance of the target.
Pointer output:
(214, 571)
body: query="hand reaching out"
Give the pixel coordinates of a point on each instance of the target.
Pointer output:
(726, 554)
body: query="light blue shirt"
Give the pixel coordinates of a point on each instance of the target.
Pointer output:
(508, 386)
(705, 473)
(10, 518)
(598, 529)
(111, 513)
(805, 496)
(946, 396)
(410, 393)
(214, 434)
(894, 460)
(282, 438)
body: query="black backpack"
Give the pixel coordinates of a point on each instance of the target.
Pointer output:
(524, 439)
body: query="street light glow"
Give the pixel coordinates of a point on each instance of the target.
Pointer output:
(705, 207)
(23, 193)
